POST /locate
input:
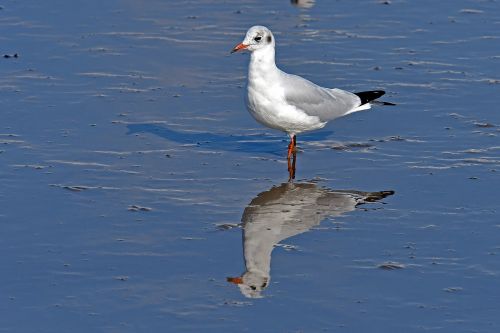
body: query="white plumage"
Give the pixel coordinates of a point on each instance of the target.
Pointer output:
(288, 102)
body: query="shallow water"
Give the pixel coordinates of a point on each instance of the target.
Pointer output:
(128, 162)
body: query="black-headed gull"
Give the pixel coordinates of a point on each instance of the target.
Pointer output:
(288, 102)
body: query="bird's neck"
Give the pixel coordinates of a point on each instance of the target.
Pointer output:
(262, 63)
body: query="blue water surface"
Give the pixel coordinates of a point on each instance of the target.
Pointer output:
(128, 161)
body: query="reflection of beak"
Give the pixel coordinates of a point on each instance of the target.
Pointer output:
(239, 47)
(235, 280)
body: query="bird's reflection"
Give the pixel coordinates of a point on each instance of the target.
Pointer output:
(282, 212)
(303, 3)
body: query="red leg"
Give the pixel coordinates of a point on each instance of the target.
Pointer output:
(291, 146)
(290, 150)
(292, 154)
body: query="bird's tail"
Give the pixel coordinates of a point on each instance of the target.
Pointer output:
(368, 96)
(371, 96)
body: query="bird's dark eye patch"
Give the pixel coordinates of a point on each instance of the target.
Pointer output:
(257, 39)
(269, 39)
(253, 287)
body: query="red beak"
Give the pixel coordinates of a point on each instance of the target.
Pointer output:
(239, 47)
(235, 280)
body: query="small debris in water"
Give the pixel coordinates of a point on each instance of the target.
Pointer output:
(474, 151)
(121, 278)
(226, 226)
(390, 265)
(237, 303)
(76, 188)
(348, 146)
(33, 166)
(484, 125)
(287, 247)
(453, 289)
(8, 56)
(192, 238)
(135, 208)
(392, 138)
(471, 11)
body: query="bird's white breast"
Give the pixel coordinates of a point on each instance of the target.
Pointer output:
(266, 100)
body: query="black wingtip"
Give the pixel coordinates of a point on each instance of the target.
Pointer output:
(368, 96)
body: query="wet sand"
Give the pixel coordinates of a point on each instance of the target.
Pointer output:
(128, 161)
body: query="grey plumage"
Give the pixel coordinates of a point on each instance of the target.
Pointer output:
(326, 104)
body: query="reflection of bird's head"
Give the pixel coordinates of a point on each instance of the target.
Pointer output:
(251, 283)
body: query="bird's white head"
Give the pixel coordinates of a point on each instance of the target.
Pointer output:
(258, 37)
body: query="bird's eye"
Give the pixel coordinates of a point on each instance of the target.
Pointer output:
(253, 287)
(257, 39)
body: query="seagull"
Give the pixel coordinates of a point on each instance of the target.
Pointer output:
(288, 102)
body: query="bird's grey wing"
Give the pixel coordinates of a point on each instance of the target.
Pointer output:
(326, 104)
